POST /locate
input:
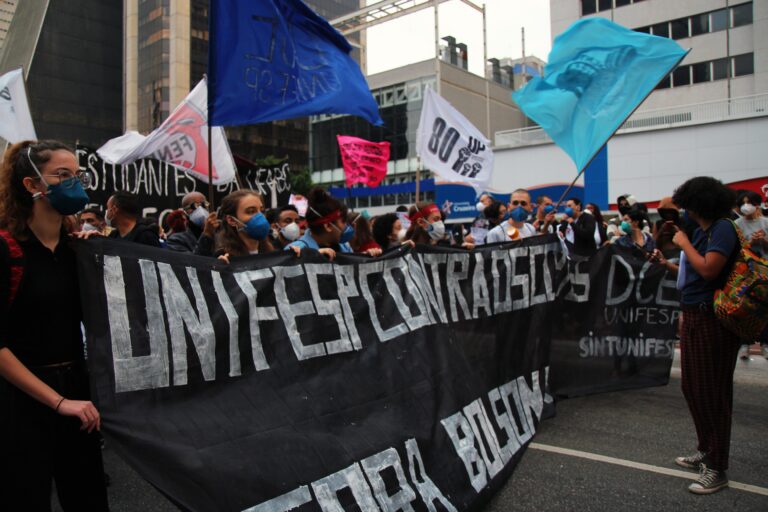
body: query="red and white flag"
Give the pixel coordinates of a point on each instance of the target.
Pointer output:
(364, 161)
(182, 141)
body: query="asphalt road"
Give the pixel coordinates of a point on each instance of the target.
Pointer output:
(649, 426)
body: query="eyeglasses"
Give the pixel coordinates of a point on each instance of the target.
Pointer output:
(194, 206)
(67, 178)
(520, 203)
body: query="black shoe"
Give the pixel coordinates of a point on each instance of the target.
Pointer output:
(691, 461)
(710, 481)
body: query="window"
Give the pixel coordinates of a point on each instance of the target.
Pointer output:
(644, 30)
(699, 24)
(680, 28)
(743, 64)
(665, 83)
(682, 76)
(742, 14)
(719, 69)
(718, 20)
(701, 72)
(605, 5)
(661, 29)
(588, 7)
(622, 3)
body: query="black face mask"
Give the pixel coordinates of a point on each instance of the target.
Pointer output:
(669, 214)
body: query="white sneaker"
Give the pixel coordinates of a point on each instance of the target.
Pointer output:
(744, 352)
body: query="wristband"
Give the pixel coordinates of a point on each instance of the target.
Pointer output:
(58, 405)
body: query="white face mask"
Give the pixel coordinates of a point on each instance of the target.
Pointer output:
(436, 230)
(107, 219)
(198, 216)
(401, 234)
(291, 232)
(748, 209)
(480, 206)
(88, 227)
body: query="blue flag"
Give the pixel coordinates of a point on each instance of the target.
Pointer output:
(598, 73)
(277, 59)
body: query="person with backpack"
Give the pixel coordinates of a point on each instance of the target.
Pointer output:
(707, 349)
(48, 426)
(754, 227)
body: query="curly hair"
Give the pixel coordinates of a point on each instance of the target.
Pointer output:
(706, 197)
(15, 201)
(228, 239)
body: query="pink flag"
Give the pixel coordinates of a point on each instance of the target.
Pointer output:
(364, 161)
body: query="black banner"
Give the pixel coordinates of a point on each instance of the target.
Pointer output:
(413, 381)
(160, 186)
(617, 327)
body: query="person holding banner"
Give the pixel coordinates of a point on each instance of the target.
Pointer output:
(514, 226)
(427, 227)
(244, 230)
(707, 349)
(328, 231)
(362, 242)
(48, 421)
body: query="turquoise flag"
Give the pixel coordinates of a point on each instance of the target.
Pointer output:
(598, 73)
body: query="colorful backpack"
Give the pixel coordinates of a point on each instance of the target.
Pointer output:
(16, 260)
(742, 304)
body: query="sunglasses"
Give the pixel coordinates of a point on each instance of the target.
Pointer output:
(520, 203)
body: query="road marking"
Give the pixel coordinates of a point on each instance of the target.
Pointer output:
(639, 465)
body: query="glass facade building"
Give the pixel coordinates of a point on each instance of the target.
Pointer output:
(75, 79)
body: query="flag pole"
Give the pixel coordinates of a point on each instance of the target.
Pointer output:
(559, 201)
(210, 165)
(418, 177)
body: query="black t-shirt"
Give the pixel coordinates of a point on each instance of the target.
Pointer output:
(140, 234)
(42, 326)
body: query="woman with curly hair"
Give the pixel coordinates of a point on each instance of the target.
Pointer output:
(707, 350)
(48, 421)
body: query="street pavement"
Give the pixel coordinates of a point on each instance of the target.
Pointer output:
(646, 428)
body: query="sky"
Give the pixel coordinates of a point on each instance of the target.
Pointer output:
(411, 38)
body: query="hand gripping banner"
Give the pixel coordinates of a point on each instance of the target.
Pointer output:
(409, 382)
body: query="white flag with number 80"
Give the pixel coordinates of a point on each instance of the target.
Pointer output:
(450, 146)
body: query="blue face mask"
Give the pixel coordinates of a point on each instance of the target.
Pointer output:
(67, 197)
(626, 227)
(257, 227)
(518, 214)
(548, 209)
(347, 234)
(569, 212)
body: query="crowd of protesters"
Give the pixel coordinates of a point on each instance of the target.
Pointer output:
(49, 421)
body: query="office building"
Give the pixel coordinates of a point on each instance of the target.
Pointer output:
(71, 53)
(727, 38)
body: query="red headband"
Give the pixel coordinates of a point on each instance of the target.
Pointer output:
(425, 212)
(335, 214)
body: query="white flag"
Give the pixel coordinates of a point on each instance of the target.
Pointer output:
(182, 141)
(15, 119)
(450, 146)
